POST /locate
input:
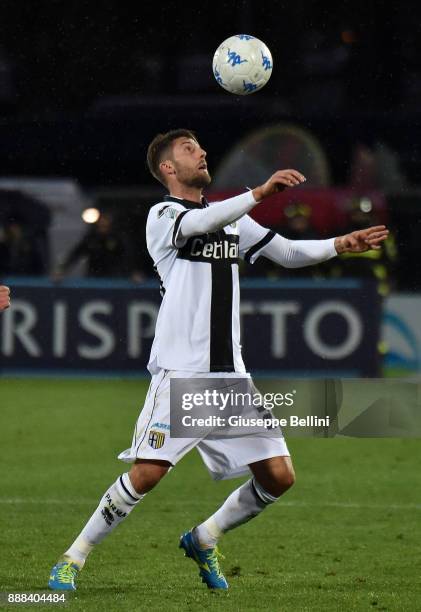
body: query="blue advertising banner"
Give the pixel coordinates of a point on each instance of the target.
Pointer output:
(296, 327)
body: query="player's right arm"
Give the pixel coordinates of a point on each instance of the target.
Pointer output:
(4, 297)
(278, 182)
(202, 221)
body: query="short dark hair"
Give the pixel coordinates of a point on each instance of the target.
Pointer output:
(158, 148)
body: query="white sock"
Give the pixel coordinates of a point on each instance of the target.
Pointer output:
(242, 505)
(116, 504)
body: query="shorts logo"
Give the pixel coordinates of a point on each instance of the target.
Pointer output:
(161, 426)
(156, 439)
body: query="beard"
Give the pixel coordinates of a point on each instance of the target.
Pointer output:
(198, 181)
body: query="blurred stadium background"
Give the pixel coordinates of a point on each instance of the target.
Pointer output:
(83, 90)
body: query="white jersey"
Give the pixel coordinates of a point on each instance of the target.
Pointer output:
(198, 325)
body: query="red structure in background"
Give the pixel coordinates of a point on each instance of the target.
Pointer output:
(330, 207)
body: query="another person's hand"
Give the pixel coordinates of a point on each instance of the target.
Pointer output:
(4, 297)
(278, 182)
(362, 240)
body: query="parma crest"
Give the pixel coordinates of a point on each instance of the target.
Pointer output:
(156, 439)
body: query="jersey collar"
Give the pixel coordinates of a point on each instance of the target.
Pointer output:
(187, 203)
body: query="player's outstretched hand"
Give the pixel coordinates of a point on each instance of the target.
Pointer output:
(4, 297)
(278, 182)
(362, 240)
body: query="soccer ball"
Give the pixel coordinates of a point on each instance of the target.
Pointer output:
(242, 64)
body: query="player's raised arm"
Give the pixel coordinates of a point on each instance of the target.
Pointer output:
(362, 240)
(196, 222)
(278, 182)
(301, 253)
(4, 297)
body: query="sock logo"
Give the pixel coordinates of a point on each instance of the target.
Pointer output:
(108, 517)
(107, 512)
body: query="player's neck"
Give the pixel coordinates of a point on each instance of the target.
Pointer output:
(193, 194)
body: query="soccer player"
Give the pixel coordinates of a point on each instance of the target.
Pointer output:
(195, 247)
(4, 297)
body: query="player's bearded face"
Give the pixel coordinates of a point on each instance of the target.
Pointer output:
(189, 161)
(192, 175)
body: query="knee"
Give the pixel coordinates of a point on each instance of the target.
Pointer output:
(288, 479)
(282, 480)
(145, 475)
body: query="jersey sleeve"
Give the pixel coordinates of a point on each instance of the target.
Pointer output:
(162, 228)
(253, 238)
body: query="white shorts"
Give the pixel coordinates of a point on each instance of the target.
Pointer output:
(223, 457)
